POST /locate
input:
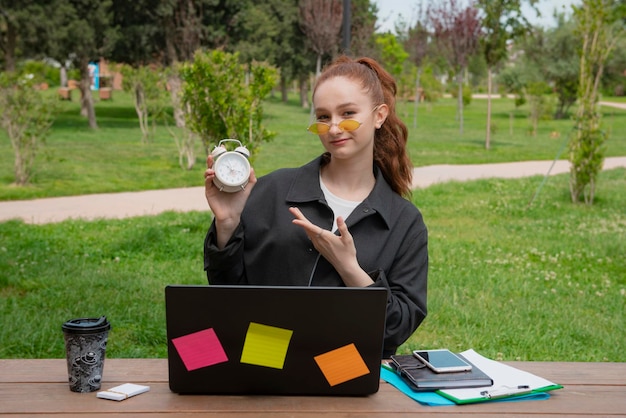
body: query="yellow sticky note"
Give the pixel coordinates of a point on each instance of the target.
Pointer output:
(266, 345)
(342, 364)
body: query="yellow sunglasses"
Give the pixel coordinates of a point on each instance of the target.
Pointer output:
(346, 125)
(321, 128)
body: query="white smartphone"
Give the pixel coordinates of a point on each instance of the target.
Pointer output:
(442, 361)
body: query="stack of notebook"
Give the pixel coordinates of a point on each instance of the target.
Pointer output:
(488, 380)
(421, 378)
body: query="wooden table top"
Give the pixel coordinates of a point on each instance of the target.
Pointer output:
(37, 388)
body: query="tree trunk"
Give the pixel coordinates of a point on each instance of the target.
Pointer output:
(86, 98)
(10, 45)
(318, 66)
(303, 80)
(459, 78)
(488, 135)
(284, 96)
(175, 84)
(63, 76)
(418, 96)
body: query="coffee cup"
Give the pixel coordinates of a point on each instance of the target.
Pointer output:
(85, 346)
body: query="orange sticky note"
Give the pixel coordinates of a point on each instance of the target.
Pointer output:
(342, 364)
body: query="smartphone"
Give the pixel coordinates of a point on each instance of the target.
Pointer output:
(442, 361)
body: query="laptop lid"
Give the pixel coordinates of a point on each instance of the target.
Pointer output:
(274, 340)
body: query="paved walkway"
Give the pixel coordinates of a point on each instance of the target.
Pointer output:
(152, 202)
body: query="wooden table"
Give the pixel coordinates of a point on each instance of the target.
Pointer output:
(36, 388)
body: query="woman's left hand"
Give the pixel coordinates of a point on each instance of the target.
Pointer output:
(339, 250)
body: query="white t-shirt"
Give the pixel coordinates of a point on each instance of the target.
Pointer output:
(341, 207)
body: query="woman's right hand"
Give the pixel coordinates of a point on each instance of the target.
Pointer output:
(226, 207)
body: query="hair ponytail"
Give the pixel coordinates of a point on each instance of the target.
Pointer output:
(390, 141)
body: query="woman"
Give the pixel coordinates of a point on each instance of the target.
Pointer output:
(340, 220)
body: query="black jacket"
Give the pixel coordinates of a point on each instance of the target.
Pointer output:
(267, 249)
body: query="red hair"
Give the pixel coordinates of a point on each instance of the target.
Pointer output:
(390, 154)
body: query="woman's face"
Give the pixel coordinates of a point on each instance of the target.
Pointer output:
(341, 98)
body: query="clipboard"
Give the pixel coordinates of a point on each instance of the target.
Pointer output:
(508, 383)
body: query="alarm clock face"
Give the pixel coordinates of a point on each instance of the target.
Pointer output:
(232, 169)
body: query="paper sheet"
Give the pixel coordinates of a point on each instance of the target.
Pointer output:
(505, 378)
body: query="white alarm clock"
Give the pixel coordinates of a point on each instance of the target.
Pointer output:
(232, 168)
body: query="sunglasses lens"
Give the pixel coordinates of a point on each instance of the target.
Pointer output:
(318, 128)
(349, 125)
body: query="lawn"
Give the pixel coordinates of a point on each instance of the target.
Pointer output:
(545, 282)
(76, 160)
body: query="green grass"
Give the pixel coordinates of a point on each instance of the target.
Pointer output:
(541, 283)
(545, 283)
(76, 160)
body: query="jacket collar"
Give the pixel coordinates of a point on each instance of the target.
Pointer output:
(306, 188)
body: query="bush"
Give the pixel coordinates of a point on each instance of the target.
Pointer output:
(41, 71)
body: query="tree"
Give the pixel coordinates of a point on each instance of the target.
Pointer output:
(392, 52)
(554, 53)
(601, 24)
(320, 21)
(418, 45)
(502, 21)
(141, 39)
(456, 30)
(562, 68)
(362, 28)
(220, 102)
(147, 85)
(82, 31)
(20, 24)
(26, 115)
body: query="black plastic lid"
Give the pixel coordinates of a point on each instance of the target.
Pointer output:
(86, 325)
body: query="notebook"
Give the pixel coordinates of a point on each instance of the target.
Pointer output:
(421, 378)
(274, 340)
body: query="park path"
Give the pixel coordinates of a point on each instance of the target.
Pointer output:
(152, 202)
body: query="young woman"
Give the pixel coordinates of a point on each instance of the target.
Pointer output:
(340, 220)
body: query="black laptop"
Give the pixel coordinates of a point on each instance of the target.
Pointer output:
(274, 340)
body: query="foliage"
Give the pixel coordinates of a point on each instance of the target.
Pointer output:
(393, 54)
(614, 78)
(42, 72)
(554, 56)
(26, 116)
(600, 30)
(260, 26)
(562, 66)
(502, 21)
(223, 98)
(22, 25)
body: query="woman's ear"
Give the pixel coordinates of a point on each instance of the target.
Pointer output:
(380, 115)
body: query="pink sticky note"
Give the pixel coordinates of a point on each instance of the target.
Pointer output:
(200, 349)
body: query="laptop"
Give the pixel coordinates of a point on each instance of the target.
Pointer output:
(274, 340)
